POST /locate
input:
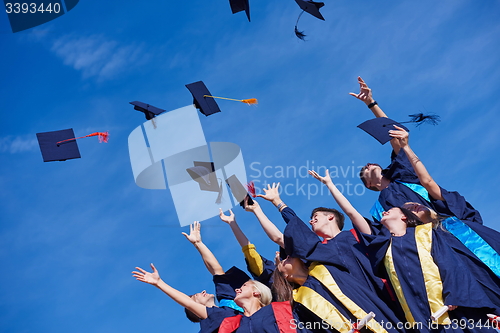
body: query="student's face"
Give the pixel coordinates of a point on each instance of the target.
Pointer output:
(247, 290)
(422, 212)
(203, 298)
(320, 222)
(372, 176)
(287, 266)
(391, 216)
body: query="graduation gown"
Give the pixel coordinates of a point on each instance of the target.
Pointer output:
(262, 321)
(426, 274)
(405, 187)
(481, 241)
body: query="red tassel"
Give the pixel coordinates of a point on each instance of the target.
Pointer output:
(251, 189)
(102, 136)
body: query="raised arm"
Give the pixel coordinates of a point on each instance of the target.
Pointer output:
(208, 257)
(365, 95)
(231, 220)
(270, 229)
(357, 219)
(184, 300)
(423, 175)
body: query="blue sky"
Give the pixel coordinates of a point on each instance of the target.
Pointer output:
(72, 231)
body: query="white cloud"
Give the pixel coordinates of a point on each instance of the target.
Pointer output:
(17, 144)
(96, 56)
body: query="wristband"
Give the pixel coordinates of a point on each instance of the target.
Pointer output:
(372, 104)
(280, 205)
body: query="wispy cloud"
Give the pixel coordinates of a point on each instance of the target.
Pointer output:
(17, 144)
(96, 56)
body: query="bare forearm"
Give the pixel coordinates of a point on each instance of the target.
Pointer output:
(357, 219)
(209, 259)
(423, 175)
(238, 233)
(183, 299)
(269, 228)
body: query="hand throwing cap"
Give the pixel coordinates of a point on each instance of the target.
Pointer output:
(379, 128)
(52, 151)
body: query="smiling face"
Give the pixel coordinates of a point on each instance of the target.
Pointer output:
(322, 223)
(422, 212)
(204, 298)
(247, 290)
(371, 175)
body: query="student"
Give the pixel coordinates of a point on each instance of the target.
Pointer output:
(424, 271)
(399, 184)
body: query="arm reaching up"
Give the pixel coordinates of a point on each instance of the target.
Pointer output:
(184, 300)
(365, 95)
(269, 228)
(423, 175)
(357, 219)
(231, 220)
(208, 257)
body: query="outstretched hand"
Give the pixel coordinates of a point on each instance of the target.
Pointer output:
(365, 93)
(228, 219)
(271, 193)
(325, 180)
(252, 207)
(401, 135)
(194, 233)
(144, 276)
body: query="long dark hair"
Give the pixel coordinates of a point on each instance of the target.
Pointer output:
(282, 289)
(412, 220)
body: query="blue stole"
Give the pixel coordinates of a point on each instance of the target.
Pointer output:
(230, 304)
(481, 249)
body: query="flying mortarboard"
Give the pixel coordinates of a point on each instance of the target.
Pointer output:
(149, 111)
(240, 5)
(61, 145)
(379, 127)
(239, 191)
(205, 102)
(310, 7)
(204, 174)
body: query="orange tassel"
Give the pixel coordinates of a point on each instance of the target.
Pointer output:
(102, 136)
(250, 101)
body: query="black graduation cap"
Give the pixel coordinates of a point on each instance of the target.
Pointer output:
(54, 151)
(206, 105)
(149, 111)
(239, 191)
(240, 5)
(204, 174)
(310, 7)
(379, 128)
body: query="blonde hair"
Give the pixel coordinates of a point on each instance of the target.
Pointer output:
(265, 297)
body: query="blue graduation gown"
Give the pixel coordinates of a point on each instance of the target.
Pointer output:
(262, 321)
(403, 179)
(343, 251)
(226, 284)
(459, 287)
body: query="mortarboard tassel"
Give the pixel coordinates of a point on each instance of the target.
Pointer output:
(251, 189)
(420, 118)
(219, 196)
(247, 101)
(300, 34)
(103, 137)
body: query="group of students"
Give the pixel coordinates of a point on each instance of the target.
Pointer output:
(424, 262)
